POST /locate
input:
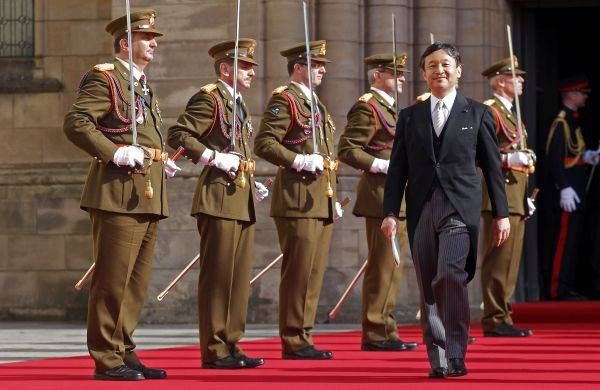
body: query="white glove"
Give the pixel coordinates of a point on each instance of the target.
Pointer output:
(591, 157)
(379, 166)
(261, 191)
(568, 199)
(531, 206)
(308, 162)
(339, 211)
(227, 162)
(171, 168)
(518, 159)
(129, 156)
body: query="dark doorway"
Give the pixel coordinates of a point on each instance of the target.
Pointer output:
(555, 40)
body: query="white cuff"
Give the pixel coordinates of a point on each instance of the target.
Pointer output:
(206, 156)
(298, 163)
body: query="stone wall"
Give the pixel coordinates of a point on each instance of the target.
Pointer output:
(44, 236)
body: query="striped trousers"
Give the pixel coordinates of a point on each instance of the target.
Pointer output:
(440, 249)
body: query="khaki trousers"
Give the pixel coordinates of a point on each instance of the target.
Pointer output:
(380, 286)
(499, 271)
(226, 256)
(305, 246)
(123, 251)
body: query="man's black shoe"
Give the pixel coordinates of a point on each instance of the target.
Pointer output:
(119, 373)
(251, 362)
(308, 353)
(149, 373)
(505, 330)
(389, 345)
(226, 363)
(456, 367)
(438, 373)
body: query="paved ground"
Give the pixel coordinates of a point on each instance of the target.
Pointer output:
(35, 340)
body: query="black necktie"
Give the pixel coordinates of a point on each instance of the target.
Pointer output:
(240, 109)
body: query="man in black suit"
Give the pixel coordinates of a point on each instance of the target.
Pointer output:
(439, 144)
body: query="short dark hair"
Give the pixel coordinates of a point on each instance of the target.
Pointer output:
(221, 61)
(290, 65)
(450, 49)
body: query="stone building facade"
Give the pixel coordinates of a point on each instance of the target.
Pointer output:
(44, 236)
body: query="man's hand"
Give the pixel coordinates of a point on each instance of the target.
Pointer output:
(501, 230)
(591, 157)
(568, 199)
(129, 156)
(379, 166)
(261, 191)
(227, 162)
(531, 205)
(339, 211)
(517, 159)
(388, 227)
(308, 162)
(171, 168)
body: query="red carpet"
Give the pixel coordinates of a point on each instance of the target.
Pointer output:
(559, 356)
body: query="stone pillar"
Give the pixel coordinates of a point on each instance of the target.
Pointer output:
(437, 17)
(481, 38)
(378, 36)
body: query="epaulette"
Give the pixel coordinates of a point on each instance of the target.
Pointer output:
(422, 97)
(208, 88)
(366, 97)
(562, 114)
(104, 67)
(489, 102)
(279, 89)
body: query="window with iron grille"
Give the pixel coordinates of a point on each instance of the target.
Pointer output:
(16, 28)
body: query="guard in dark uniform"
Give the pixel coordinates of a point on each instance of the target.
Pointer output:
(366, 145)
(223, 203)
(568, 163)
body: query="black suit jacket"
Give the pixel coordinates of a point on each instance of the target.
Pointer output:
(469, 141)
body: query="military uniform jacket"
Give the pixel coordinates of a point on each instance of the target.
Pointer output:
(564, 149)
(369, 134)
(285, 131)
(206, 123)
(515, 183)
(97, 122)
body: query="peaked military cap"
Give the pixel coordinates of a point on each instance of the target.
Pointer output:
(386, 62)
(502, 67)
(226, 49)
(574, 83)
(141, 21)
(318, 49)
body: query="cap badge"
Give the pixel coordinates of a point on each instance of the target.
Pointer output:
(151, 21)
(322, 50)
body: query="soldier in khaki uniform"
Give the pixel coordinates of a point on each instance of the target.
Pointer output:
(223, 203)
(500, 265)
(125, 194)
(366, 145)
(303, 204)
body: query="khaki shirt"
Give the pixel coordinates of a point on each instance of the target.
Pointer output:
(206, 123)
(369, 134)
(97, 122)
(515, 182)
(284, 132)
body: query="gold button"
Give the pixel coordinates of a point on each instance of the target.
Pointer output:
(303, 177)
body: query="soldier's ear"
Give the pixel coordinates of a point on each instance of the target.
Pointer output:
(123, 43)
